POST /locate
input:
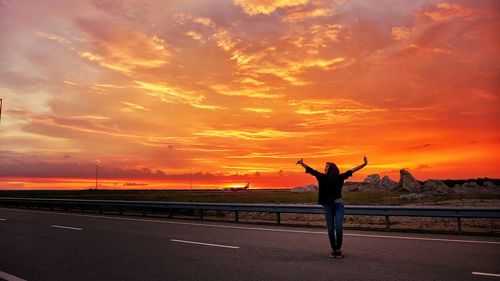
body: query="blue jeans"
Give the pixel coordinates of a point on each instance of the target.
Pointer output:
(334, 215)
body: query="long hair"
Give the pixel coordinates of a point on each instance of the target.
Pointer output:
(333, 170)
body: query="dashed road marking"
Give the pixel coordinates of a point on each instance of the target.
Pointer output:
(9, 277)
(3, 219)
(486, 274)
(204, 244)
(66, 227)
(422, 238)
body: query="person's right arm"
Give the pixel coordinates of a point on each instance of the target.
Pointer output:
(365, 162)
(301, 163)
(308, 169)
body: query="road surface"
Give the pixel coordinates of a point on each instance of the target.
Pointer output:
(44, 245)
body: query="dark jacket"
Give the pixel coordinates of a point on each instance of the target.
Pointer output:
(330, 187)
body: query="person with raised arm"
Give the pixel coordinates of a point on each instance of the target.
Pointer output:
(330, 185)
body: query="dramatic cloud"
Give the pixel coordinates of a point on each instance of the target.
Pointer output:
(254, 7)
(238, 90)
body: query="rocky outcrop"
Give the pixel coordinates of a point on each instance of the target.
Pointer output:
(436, 187)
(307, 188)
(408, 183)
(489, 184)
(373, 179)
(467, 187)
(431, 187)
(471, 184)
(385, 183)
(472, 187)
(388, 184)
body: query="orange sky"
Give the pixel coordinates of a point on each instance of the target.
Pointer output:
(237, 91)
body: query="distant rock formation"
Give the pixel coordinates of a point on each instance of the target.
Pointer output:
(436, 187)
(408, 183)
(467, 187)
(372, 179)
(471, 184)
(490, 184)
(385, 183)
(307, 188)
(388, 184)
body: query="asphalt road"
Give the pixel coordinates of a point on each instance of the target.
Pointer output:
(37, 245)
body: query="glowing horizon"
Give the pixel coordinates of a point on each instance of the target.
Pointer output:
(217, 93)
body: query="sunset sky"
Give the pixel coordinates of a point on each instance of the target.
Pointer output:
(222, 92)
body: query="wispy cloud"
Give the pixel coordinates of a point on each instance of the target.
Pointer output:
(264, 134)
(250, 86)
(121, 49)
(255, 7)
(132, 107)
(171, 94)
(304, 14)
(258, 110)
(447, 11)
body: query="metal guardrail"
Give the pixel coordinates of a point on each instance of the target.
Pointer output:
(385, 211)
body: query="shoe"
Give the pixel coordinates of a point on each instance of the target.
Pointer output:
(338, 255)
(332, 254)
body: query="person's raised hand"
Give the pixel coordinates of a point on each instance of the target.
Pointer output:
(300, 162)
(365, 160)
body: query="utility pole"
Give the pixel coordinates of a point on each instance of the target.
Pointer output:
(96, 172)
(1, 101)
(191, 179)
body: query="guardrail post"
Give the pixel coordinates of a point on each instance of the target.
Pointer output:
(201, 215)
(387, 223)
(236, 216)
(459, 224)
(143, 212)
(278, 218)
(171, 215)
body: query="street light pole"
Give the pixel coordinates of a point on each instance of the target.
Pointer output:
(1, 102)
(96, 173)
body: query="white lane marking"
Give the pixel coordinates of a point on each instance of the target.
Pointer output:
(3, 219)
(9, 277)
(204, 244)
(486, 274)
(267, 229)
(424, 239)
(66, 227)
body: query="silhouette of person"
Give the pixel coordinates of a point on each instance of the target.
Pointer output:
(330, 197)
